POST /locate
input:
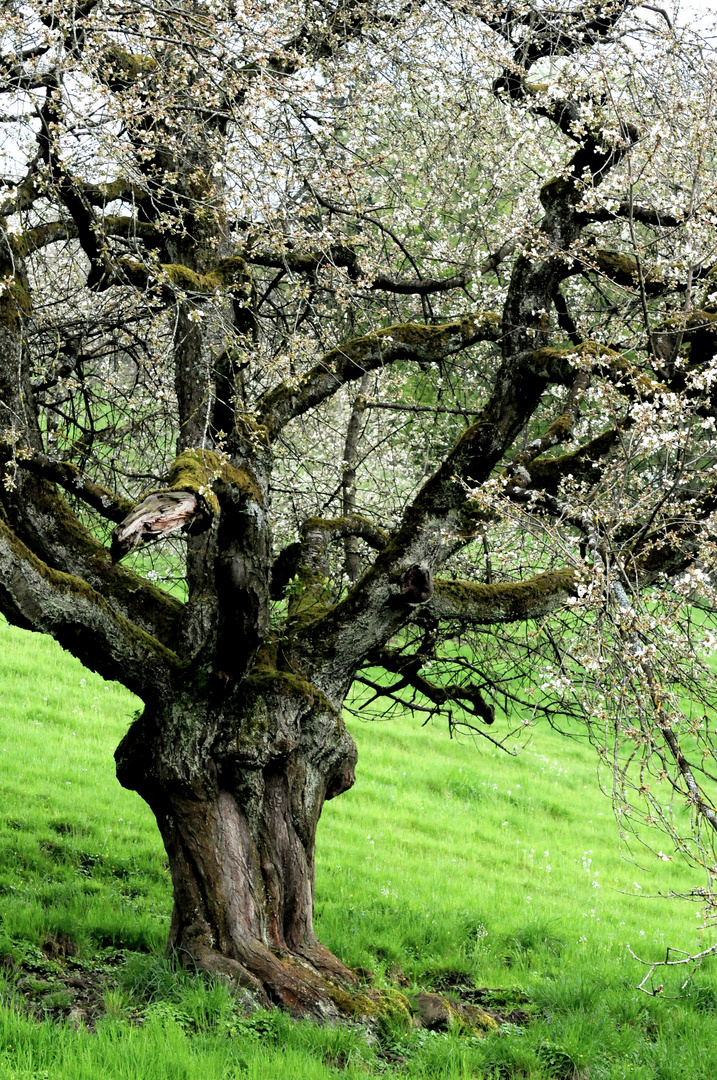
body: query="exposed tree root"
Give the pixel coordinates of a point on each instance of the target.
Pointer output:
(319, 991)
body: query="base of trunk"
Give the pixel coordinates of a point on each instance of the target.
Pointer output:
(243, 898)
(238, 819)
(306, 991)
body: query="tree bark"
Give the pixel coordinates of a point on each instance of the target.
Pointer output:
(237, 789)
(352, 564)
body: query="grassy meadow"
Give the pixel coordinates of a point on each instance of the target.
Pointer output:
(449, 865)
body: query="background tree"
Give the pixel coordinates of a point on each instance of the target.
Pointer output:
(401, 318)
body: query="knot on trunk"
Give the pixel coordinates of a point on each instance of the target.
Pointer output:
(415, 586)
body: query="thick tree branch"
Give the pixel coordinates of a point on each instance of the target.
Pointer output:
(47, 525)
(646, 215)
(545, 474)
(419, 286)
(107, 503)
(52, 231)
(341, 256)
(409, 341)
(230, 275)
(350, 525)
(503, 602)
(559, 430)
(36, 597)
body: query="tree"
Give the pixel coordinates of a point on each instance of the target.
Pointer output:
(381, 336)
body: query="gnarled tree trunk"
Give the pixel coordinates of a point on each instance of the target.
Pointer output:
(237, 787)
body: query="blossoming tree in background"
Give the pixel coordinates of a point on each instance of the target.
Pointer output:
(360, 343)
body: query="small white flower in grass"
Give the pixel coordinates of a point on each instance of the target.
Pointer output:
(596, 884)
(83, 682)
(528, 899)
(547, 868)
(636, 886)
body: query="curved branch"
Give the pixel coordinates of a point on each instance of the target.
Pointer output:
(316, 533)
(107, 503)
(545, 474)
(36, 597)
(351, 525)
(503, 602)
(408, 341)
(345, 257)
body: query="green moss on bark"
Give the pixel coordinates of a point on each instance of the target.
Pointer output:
(504, 601)
(228, 275)
(61, 623)
(199, 470)
(309, 594)
(372, 1003)
(122, 69)
(587, 350)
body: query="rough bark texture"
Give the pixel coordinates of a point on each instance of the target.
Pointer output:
(237, 784)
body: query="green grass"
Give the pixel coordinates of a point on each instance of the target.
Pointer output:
(433, 869)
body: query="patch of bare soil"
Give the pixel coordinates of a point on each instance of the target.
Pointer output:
(52, 983)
